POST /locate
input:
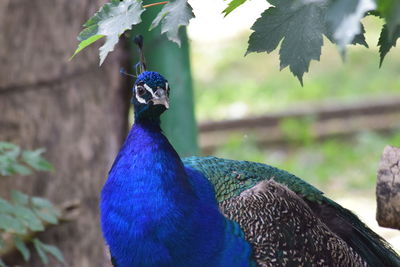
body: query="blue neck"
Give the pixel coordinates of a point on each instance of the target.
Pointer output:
(154, 162)
(145, 122)
(161, 162)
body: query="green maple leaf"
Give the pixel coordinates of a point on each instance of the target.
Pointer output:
(299, 26)
(390, 10)
(360, 38)
(343, 20)
(172, 16)
(387, 41)
(232, 6)
(112, 20)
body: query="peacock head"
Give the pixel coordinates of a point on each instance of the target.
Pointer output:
(150, 95)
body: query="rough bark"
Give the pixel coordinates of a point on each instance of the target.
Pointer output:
(74, 109)
(388, 189)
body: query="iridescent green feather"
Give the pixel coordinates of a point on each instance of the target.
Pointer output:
(231, 177)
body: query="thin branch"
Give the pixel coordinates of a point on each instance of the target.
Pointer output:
(156, 4)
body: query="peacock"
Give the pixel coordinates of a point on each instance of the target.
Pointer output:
(160, 210)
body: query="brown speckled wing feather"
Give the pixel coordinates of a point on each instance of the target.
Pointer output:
(284, 231)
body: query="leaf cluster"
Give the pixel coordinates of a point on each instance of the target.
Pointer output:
(116, 17)
(297, 26)
(23, 215)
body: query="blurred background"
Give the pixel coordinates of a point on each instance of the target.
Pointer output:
(331, 132)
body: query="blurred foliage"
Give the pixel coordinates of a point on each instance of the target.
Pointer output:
(15, 161)
(298, 131)
(335, 165)
(229, 85)
(23, 215)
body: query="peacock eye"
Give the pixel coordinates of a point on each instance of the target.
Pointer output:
(140, 91)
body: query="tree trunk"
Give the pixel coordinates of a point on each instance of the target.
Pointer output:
(388, 189)
(74, 109)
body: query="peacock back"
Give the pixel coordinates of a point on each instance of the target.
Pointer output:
(289, 222)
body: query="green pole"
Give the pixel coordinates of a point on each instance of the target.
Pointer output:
(173, 62)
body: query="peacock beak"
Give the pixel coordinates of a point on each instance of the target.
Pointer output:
(161, 98)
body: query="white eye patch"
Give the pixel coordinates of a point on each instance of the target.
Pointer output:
(139, 98)
(148, 89)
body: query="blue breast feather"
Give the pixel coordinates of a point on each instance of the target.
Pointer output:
(156, 212)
